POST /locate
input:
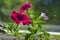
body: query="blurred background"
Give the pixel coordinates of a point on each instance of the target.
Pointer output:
(53, 7)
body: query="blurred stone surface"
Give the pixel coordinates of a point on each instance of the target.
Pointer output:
(51, 28)
(4, 37)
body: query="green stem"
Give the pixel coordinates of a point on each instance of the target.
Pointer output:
(17, 26)
(28, 14)
(29, 17)
(16, 30)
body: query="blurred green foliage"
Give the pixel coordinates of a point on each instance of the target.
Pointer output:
(53, 6)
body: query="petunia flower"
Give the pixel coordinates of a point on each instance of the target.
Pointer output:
(44, 16)
(25, 7)
(20, 18)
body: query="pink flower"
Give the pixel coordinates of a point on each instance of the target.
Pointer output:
(25, 7)
(20, 18)
(46, 18)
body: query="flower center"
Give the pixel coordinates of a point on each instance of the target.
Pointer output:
(19, 17)
(25, 7)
